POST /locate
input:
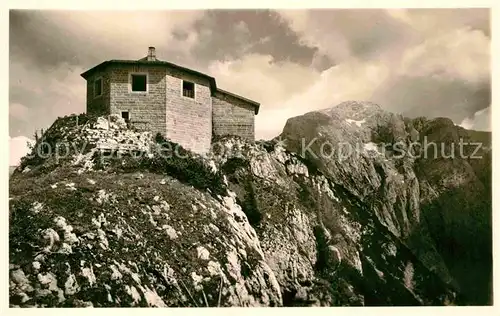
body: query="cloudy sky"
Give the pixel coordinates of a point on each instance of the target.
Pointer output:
(415, 62)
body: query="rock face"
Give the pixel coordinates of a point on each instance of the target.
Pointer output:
(260, 224)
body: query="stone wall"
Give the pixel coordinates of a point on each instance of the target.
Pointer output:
(146, 109)
(189, 121)
(98, 105)
(233, 116)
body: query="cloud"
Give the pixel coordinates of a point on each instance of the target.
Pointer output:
(432, 21)
(447, 75)
(18, 148)
(18, 110)
(342, 34)
(44, 96)
(232, 34)
(262, 78)
(480, 121)
(84, 38)
(460, 54)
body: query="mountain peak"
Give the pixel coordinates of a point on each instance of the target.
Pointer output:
(353, 109)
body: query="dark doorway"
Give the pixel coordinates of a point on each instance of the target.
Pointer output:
(125, 116)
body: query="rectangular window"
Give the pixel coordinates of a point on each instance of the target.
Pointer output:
(188, 89)
(139, 82)
(98, 87)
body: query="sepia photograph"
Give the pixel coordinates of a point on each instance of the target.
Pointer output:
(250, 158)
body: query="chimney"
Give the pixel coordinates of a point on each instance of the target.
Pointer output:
(151, 54)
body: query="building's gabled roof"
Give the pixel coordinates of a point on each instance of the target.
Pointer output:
(145, 61)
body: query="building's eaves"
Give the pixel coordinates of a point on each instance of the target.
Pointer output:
(213, 85)
(256, 105)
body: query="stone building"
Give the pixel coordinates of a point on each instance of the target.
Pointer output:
(182, 104)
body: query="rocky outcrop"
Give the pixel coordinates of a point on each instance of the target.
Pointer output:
(246, 225)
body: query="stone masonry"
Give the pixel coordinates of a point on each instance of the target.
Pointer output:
(189, 121)
(99, 104)
(232, 116)
(147, 109)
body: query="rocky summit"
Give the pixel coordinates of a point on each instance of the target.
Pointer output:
(347, 207)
